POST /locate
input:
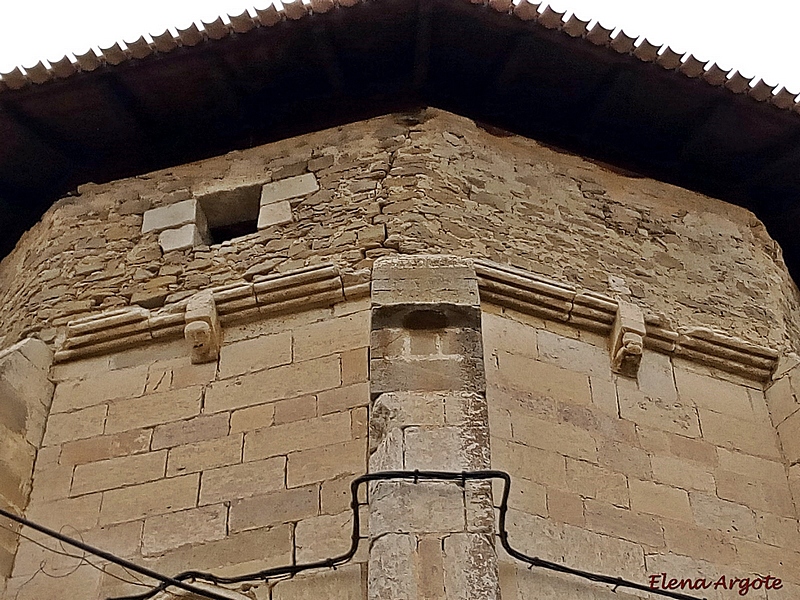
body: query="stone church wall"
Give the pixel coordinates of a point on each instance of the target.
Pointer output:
(423, 182)
(676, 471)
(244, 463)
(231, 467)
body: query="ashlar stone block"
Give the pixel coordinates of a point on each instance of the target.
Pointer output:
(182, 238)
(478, 582)
(345, 583)
(291, 187)
(396, 508)
(173, 216)
(276, 213)
(165, 532)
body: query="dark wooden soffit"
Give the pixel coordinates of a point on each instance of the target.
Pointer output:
(542, 79)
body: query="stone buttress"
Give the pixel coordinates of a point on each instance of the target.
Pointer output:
(429, 539)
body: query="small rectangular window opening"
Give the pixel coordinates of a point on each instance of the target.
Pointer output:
(231, 213)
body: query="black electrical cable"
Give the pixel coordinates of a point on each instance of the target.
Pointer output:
(79, 557)
(414, 476)
(166, 581)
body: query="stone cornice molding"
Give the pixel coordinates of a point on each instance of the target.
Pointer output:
(266, 296)
(539, 296)
(326, 285)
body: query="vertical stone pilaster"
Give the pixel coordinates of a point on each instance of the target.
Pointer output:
(25, 398)
(783, 402)
(431, 540)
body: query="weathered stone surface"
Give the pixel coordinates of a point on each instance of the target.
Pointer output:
(556, 437)
(571, 354)
(172, 216)
(235, 554)
(118, 472)
(148, 499)
(325, 536)
(712, 513)
(656, 378)
(282, 506)
(660, 500)
(714, 394)
(674, 415)
(80, 393)
(681, 473)
(624, 524)
(152, 409)
(332, 335)
(436, 374)
(242, 480)
(539, 378)
(573, 545)
(296, 436)
(502, 333)
(202, 456)
(291, 187)
(81, 513)
(392, 567)
(296, 379)
(182, 238)
(255, 354)
(470, 567)
(327, 462)
(77, 425)
(277, 213)
(759, 439)
(198, 429)
(789, 432)
(397, 508)
(591, 481)
(782, 400)
(424, 279)
(104, 447)
(345, 583)
(344, 398)
(165, 532)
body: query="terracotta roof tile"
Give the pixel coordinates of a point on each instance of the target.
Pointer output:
(297, 9)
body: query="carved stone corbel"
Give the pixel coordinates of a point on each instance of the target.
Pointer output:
(627, 339)
(203, 331)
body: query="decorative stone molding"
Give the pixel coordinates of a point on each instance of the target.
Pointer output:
(325, 285)
(265, 296)
(203, 331)
(627, 339)
(539, 296)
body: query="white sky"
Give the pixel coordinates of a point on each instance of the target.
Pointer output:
(758, 39)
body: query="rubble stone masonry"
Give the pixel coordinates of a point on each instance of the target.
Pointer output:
(405, 183)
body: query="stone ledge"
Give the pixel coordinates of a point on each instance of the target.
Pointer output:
(294, 291)
(502, 285)
(539, 296)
